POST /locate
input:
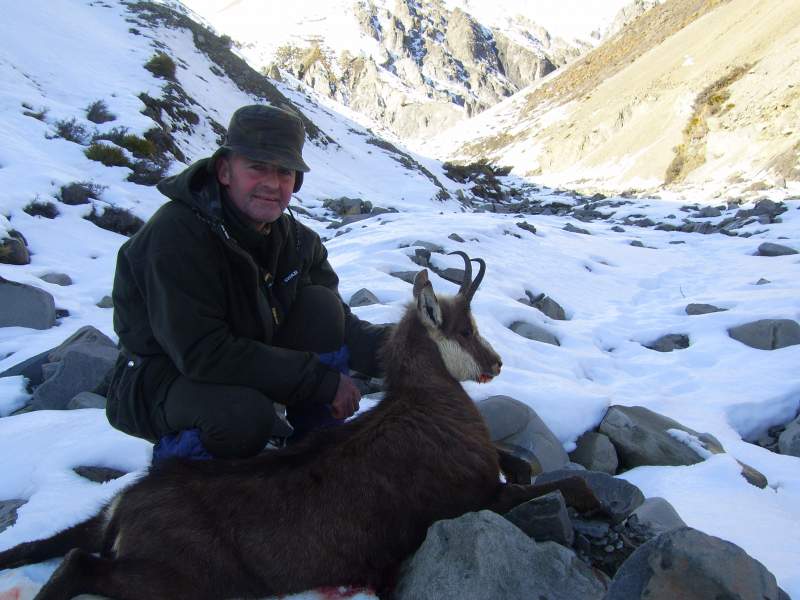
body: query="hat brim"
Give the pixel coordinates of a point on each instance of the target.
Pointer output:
(276, 156)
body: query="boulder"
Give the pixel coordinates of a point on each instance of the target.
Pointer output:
(30, 368)
(25, 306)
(641, 438)
(616, 498)
(407, 276)
(789, 439)
(669, 342)
(767, 334)
(547, 305)
(516, 428)
(481, 555)
(702, 309)
(688, 564)
(8, 513)
(57, 278)
(14, 249)
(770, 249)
(595, 452)
(87, 400)
(363, 297)
(544, 519)
(81, 369)
(656, 515)
(534, 332)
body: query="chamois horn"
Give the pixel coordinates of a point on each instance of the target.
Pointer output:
(468, 286)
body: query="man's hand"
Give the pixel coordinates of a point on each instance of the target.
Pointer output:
(345, 403)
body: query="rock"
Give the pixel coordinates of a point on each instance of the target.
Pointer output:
(87, 400)
(688, 564)
(481, 555)
(702, 309)
(421, 257)
(707, 212)
(657, 516)
(545, 519)
(516, 428)
(85, 336)
(347, 206)
(527, 227)
(595, 452)
(99, 474)
(407, 276)
(767, 334)
(456, 238)
(30, 368)
(770, 249)
(789, 439)
(641, 438)
(669, 342)
(14, 249)
(752, 476)
(617, 498)
(57, 278)
(105, 302)
(8, 513)
(533, 332)
(763, 281)
(618, 229)
(572, 229)
(429, 246)
(451, 274)
(637, 244)
(547, 305)
(363, 297)
(25, 306)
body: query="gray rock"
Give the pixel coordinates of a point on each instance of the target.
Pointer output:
(8, 513)
(85, 336)
(421, 257)
(657, 516)
(14, 250)
(57, 278)
(706, 212)
(669, 342)
(429, 246)
(347, 206)
(98, 474)
(481, 555)
(407, 276)
(456, 238)
(702, 309)
(545, 519)
(451, 274)
(770, 249)
(618, 229)
(572, 229)
(30, 368)
(534, 332)
(547, 305)
(527, 227)
(616, 498)
(688, 564)
(763, 281)
(595, 452)
(25, 306)
(767, 334)
(640, 437)
(515, 427)
(363, 297)
(105, 302)
(637, 244)
(789, 440)
(81, 369)
(87, 400)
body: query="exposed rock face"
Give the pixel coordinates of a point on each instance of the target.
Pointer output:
(25, 306)
(767, 334)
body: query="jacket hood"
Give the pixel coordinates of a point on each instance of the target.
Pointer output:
(197, 187)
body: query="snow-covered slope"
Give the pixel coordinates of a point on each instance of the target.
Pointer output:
(616, 296)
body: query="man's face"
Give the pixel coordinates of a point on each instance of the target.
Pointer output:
(259, 190)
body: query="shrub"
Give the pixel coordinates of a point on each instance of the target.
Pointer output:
(37, 208)
(72, 131)
(110, 156)
(118, 220)
(149, 172)
(161, 65)
(97, 112)
(80, 192)
(138, 146)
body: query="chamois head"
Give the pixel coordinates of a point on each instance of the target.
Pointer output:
(450, 325)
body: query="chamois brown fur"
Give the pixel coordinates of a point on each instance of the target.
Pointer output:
(345, 506)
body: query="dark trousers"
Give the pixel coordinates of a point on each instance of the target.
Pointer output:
(237, 421)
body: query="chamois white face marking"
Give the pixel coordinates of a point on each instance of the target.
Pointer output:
(460, 363)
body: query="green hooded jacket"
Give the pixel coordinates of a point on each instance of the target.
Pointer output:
(188, 299)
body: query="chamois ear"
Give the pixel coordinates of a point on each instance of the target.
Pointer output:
(427, 304)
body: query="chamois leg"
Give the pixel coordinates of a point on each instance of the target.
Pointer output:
(575, 490)
(87, 535)
(125, 579)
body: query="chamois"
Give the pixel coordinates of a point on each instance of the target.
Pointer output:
(343, 507)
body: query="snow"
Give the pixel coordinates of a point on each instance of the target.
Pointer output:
(616, 296)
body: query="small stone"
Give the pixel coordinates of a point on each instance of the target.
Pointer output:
(8, 512)
(637, 244)
(595, 452)
(572, 229)
(618, 229)
(99, 474)
(702, 309)
(770, 249)
(57, 278)
(527, 227)
(456, 238)
(767, 334)
(544, 519)
(534, 332)
(105, 302)
(547, 305)
(669, 343)
(363, 297)
(763, 281)
(429, 246)
(407, 276)
(657, 515)
(789, 439)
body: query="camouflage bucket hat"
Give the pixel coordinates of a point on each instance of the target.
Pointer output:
(269, 134)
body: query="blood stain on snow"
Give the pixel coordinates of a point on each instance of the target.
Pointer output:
(12, 594)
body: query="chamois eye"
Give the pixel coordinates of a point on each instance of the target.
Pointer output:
(466, 333)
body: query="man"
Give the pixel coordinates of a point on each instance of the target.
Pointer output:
(224, 304)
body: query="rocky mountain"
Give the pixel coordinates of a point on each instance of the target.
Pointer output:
(414, 67)
(692, 95)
